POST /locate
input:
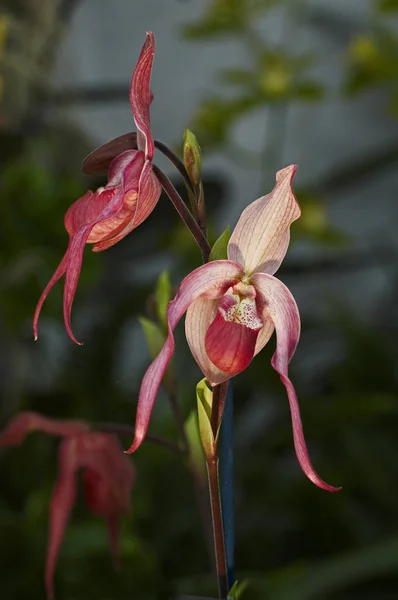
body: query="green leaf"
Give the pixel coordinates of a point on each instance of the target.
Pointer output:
(219, 249)
(154, 336)
(204, 397)
(163, 295)
(191, 427)
(237, 590)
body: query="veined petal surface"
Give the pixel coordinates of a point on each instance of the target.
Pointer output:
(283, 311)
(260, 239)
(141, 96)
(212, 280)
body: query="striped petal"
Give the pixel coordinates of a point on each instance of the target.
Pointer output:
(141, 96)
(260, 239)
(283, 311)
(210, 280)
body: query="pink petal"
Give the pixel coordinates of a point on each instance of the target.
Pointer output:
(141, 96)
(260, 239)
(200, 315)
(62, 502)
(145, 201)
(25, 422)
(98, 161)
(75, 255)
(57, 275)
(231, 338)
(212, 279)
(282, 309)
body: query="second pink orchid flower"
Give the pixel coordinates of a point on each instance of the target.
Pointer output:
(106, 216)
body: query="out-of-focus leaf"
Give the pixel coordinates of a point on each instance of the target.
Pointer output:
(163, 295)
(318, 580)
(221, 17)
(154, 336)
(191, 427)
(387, 5)
(216, 115)
(309, 91)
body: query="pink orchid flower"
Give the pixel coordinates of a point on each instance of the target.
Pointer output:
(106, 216)
(108, 477)
(233, 306)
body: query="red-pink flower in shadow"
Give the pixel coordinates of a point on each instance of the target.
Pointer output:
(106, 216)
(108, 477)
(233, 306)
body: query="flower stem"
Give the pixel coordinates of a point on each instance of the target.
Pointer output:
(218, 530)
(176, 161)
(184, 212)
(227, 483)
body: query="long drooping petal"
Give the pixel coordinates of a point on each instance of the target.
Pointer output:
(211, 280)
(141, 96)
(200, 315)
(62, 502)
(75, 258)
(26, 422)
(56, 277)
(283, 311)
(260, 239)
(231, 339)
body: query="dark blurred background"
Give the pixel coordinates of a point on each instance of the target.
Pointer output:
(263, 83)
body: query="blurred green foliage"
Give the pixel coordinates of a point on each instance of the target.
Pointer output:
(294, 542)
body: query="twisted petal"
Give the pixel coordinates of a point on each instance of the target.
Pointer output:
(212, 280)
(25, 422)
(260, 239)
(283, 311)
(141, 95)
(145, 201)
(200, 315)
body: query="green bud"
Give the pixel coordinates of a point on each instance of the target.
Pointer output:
(192, 160)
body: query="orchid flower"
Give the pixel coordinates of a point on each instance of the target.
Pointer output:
(233, 306)
(106, 216)
(108, 477)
